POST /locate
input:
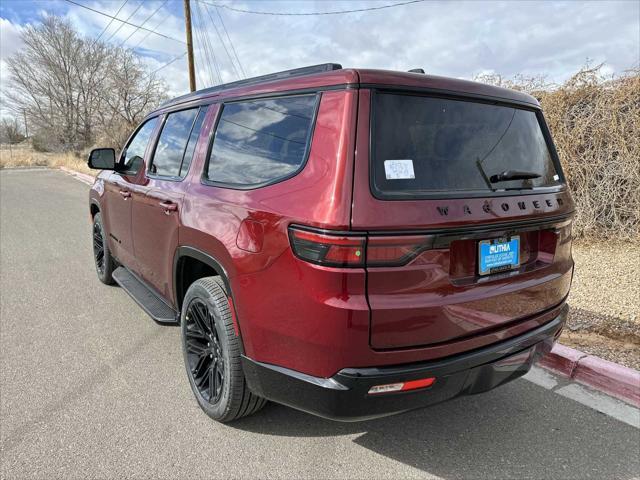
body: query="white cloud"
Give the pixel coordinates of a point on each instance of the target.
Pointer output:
(458, 39)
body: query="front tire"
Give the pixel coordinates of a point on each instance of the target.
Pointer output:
(212, 352)
(105, 263)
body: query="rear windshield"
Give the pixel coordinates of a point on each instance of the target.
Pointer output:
(424, 145)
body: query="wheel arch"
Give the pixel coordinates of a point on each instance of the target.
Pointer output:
(184, 258)
(94, 207)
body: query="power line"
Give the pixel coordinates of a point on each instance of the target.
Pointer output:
(233, 65)
(207, 42)
(153, 30)
(334, 12)
(110, 22)
(146, 20)
(177, 57)
(122, 24)
(231, 43)
(124, 21)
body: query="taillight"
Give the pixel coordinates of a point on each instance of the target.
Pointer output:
(395, 250)
(341, 250)
(330, 250)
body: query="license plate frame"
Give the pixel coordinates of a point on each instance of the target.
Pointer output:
(504, 257)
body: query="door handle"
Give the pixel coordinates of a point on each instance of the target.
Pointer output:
(168, 207)
(125, 194)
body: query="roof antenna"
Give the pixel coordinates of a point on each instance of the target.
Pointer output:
(416, 70)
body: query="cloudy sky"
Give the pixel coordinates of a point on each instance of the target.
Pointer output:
(460, 39)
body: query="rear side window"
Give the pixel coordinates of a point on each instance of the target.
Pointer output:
(176, 143)
(424, 145)
(261, 141)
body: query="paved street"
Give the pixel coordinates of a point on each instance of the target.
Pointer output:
(92, 388)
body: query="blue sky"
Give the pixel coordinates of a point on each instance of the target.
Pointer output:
(459, 39)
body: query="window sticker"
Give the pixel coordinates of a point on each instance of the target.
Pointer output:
(399, 169)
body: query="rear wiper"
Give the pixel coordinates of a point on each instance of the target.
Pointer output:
(508, 175)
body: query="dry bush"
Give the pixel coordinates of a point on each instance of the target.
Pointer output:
(24, 156)
(595, 123)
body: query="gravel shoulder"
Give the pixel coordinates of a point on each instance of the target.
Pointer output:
(604, 319)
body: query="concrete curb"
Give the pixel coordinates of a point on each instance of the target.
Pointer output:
(611, 378)
(83, 177)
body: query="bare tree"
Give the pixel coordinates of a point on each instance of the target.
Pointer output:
(74, 89)
(10, 131)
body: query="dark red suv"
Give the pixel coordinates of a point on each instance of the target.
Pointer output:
(352, 243)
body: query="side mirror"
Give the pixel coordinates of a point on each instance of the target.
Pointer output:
(102, 159)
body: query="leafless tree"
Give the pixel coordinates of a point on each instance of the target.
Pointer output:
(74, 90)
(10, 131)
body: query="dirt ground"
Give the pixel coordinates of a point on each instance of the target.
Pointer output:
(604, 319)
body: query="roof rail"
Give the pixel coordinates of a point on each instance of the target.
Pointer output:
(296, 72)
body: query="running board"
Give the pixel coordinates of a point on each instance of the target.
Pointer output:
(144, 296)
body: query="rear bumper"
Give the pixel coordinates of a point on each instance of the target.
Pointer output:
(345, 395)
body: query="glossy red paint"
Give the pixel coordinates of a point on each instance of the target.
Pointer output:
(316, 319)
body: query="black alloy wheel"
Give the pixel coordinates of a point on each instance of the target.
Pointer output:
(204, 351)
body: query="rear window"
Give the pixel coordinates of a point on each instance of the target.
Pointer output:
(259, 142)
(424, 145)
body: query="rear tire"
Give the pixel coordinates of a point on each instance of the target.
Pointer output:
(105, 263)
(212, 352)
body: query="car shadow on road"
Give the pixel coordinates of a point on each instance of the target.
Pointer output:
(517, 431)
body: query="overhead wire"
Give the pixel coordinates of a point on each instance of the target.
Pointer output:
(73, 2)
(233, 48)
(122, 24)
(207, 42)
(204, 48)
(233, 65)
(143, 23)
(110, 22)
(153, 30)
(334, 12)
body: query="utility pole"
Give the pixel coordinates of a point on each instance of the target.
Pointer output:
(187, 21)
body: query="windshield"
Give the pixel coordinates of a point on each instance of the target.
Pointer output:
(423, 145)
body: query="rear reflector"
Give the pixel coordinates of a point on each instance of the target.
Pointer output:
(402, 386)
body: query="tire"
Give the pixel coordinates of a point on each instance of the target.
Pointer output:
(104, 262)
(212, 352)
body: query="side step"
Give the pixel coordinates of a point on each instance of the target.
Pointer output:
(144, 296)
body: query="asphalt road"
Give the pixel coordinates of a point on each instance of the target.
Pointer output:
(92, 388)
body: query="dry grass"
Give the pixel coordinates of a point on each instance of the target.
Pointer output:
(24, 156)
(595, 123)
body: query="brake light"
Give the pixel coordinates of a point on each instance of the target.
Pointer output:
(402, 386)
(330, 250)
(342, 250)
(395, 250)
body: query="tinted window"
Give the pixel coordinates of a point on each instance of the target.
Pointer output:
(426, 144)
(172, 143)
(262, 140)
(133, 155)
(193, 140)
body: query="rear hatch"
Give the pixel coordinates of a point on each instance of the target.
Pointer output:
(467, 216)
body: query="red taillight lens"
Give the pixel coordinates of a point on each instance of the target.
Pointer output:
(395, 250)
(330, 250)
(341, 250)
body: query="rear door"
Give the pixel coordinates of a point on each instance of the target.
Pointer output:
(440, 183)
(157, 208)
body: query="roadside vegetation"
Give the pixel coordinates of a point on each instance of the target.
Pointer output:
(75, 93)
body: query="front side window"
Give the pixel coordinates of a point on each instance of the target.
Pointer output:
(133, 154)
(261, 141)
(425, 145)
(173, 142)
